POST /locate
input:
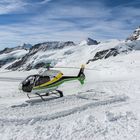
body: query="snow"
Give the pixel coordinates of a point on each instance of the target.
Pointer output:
(135, 35)
(14, 54)
(70, 55)
(106, 107)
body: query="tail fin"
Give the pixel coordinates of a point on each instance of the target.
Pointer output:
(81, 75)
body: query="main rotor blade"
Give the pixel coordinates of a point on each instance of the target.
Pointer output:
(68, 67)
(75, 68)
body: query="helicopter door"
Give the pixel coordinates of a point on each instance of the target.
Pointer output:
(41, 80)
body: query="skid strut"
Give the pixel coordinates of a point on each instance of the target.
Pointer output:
(46, 94)
(60, 92)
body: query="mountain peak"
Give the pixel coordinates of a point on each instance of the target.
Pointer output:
(25, 46)
(89, 41)
(53, 45)
(135, 35)
(20, 47)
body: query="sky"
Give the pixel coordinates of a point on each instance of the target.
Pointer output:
(35, 21)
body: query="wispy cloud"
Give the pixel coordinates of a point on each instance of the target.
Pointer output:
(44, 1)
(18, 6)
(67, 20)
(9, 6)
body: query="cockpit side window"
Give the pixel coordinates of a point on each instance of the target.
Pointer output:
(41, 80)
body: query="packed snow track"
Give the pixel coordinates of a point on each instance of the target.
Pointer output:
(87, 114)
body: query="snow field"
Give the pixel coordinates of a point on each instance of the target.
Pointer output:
(105, 108)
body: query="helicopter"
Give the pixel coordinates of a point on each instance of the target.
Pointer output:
(47, 82)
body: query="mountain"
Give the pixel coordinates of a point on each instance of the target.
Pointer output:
(27, 57)
(131, 43)
(26, 46)
(41, 54)
(10, 55)
(89, 41)
(52, 45)
(37, 55)
(135, 35)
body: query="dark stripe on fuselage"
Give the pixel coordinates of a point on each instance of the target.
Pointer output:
(63, 78)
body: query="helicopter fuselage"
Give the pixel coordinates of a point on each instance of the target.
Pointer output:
(44, 84)
(48, 81)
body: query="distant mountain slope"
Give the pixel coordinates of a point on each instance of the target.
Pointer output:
(135, 35)
(39, 52)
(89, 41)
(39, 55)
(121, 48)
(27, 57)
(9, 55)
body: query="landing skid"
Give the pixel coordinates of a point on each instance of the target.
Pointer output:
(47, 94)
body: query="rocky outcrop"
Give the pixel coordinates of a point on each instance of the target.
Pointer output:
(9, 55)
(8, 50)
(89, 41)
(41, 47)
(51, 45)
(104, 54)
(135, 35)
(122, 48)
(5, 61)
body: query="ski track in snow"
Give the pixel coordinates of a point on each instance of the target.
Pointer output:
(77, 116)
(63, 113)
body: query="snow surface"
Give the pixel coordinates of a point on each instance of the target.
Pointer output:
(72, 55)
(106, 107)
(14, 54)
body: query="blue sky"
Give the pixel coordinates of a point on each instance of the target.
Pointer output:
(34, 21)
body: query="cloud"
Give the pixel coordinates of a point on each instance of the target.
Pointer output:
(19, 6)
(68, 20)
(78, 11)
(45, 1)
(9, 6)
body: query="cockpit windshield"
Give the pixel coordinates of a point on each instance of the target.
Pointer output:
(28, 83)
(29, 80)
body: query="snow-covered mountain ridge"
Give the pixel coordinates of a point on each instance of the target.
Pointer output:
(106, 107)
(10, 55)
(88, 41)
(56, 52)
(135, 35)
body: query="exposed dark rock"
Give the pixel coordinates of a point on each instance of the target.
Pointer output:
(20, 62)
(68, 52)
(39, 65)
(8, 50)
(52, 45)
(8, 60)
(91, 41)
(135, 35)
(104, 54)
(36, 48)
